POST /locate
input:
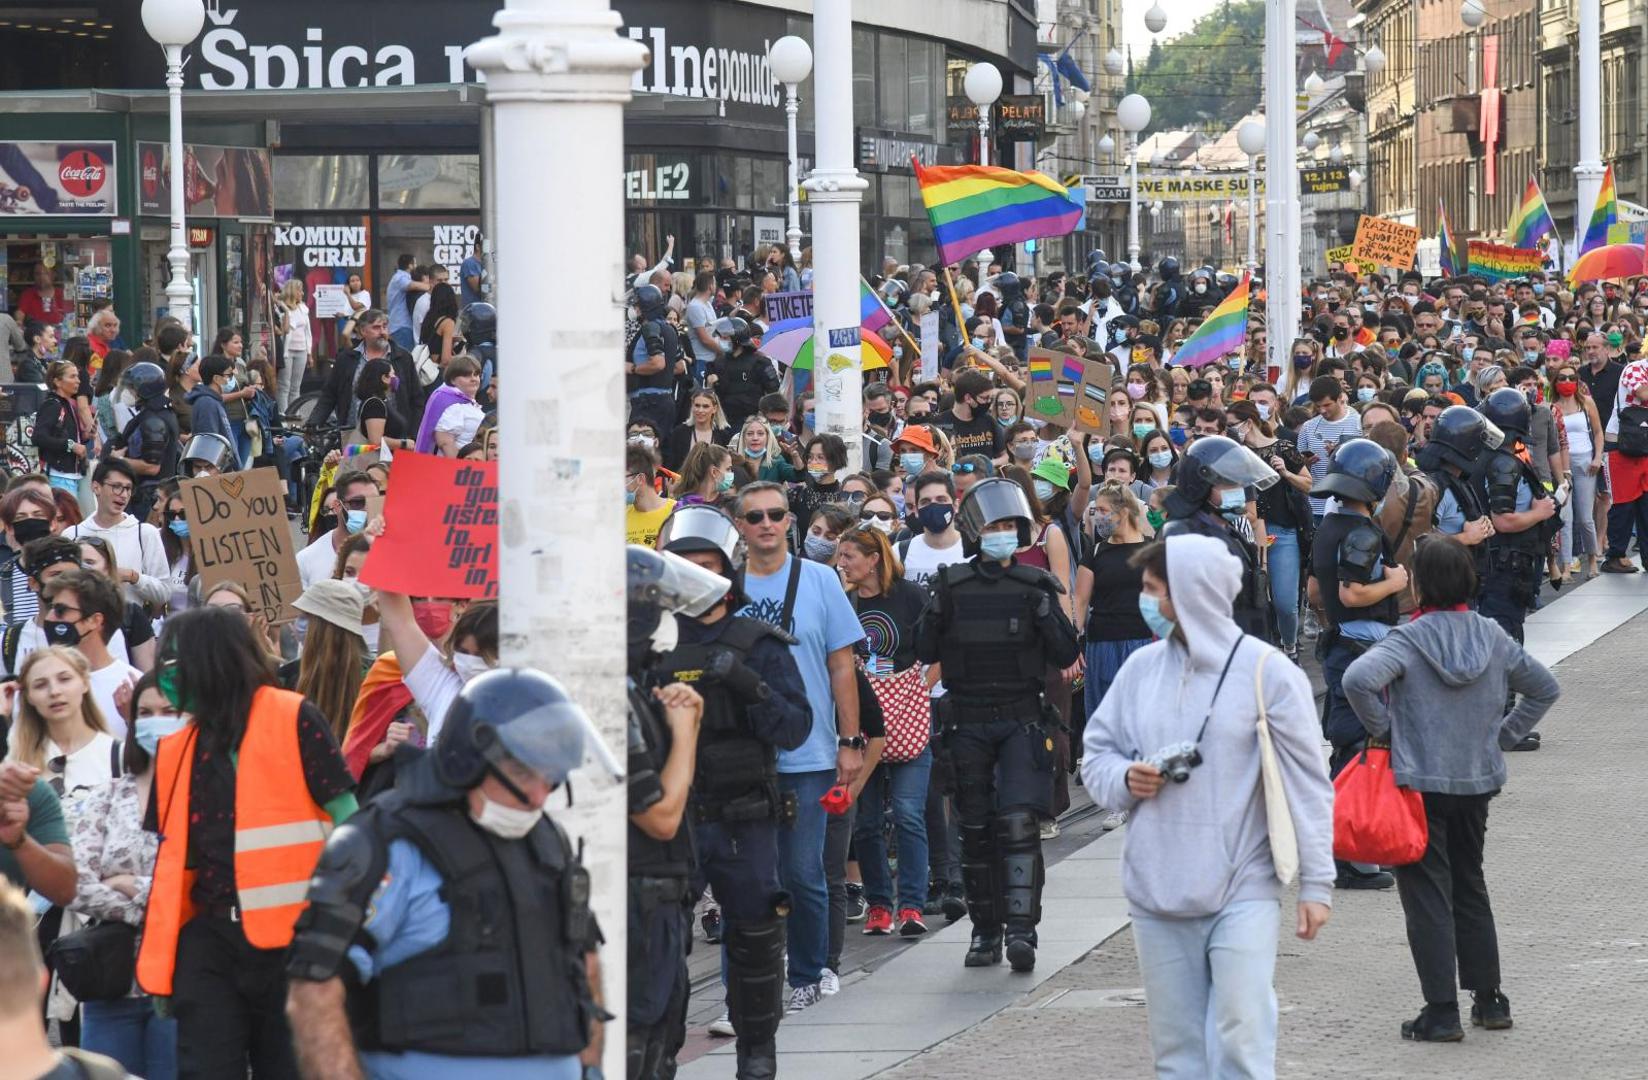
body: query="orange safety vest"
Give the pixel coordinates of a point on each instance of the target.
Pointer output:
(279, 833)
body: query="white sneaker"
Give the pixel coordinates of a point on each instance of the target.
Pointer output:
(828, 982)
(723, 1026)
(1112, 819)
(802, 997)
(1050, 830)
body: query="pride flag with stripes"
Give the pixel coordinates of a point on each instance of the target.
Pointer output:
(1452, 264)
(1221, 333)
(872, 313)
(1531, 220)
(1603, 216)
(973, 207)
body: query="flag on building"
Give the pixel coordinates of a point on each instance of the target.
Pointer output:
(1603, 216)
(1223, 332)
(1531, 220)
(1452, 263)
(973, 207)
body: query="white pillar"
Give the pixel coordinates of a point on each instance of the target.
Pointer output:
(1588, 170)
(792, 107)
(834, 189)
(179, 293)
(1133, 201)
(558, 75)
(1282, 270)
(1252, 214)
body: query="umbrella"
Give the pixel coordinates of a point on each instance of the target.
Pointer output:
(874, 352)
(1607, 262)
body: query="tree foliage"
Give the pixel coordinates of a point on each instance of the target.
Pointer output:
(1208, 77)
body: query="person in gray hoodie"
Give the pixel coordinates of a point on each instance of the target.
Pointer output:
(1197, 866)
(1435, 689)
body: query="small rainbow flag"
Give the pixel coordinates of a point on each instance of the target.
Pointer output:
(872, 313)
(1041, 367)
(1603, 216)
(1452, 264)
(1531, 220)
(1074, 368)
(978, 206)
(1221, 333)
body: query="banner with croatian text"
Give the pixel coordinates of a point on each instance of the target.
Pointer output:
(1497, 262)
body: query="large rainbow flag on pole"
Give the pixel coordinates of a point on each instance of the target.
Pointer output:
(978, 206)
(1603, 216)
(1531, 220)
(1452, 263)
(1221, 333)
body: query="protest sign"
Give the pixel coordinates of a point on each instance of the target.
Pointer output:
(1055, 384)
(929, 346)
(1093, 403)
(1342, 256)
(1385, 242)
(780, 306)
(239, 532)
(440, 530)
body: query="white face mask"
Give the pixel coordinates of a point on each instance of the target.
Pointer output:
(468, 666)
(506, 821)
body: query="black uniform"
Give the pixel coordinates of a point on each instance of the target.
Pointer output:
(1468, 496)
(1349, 549)
(743, 378)
(653, 396)
(151, 436)
(1252, 610)
(997, 630)
(1515, 560)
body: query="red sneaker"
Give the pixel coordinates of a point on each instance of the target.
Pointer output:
(910, 922)
(878, 921)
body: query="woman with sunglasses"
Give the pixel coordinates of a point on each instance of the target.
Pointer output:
(878, 512)
(826, 458)
(58, 434)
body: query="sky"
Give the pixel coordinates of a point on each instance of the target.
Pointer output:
(1180, 15)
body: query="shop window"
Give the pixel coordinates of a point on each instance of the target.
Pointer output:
(306, 182)
(771, 185)
(743, 183)
(442, 240)
(894, 83)
(926, 82)
(864, 78)
(895, 196)
(429, 181)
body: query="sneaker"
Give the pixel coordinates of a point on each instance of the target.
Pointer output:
(1491, 1010)
(955, 903)
(1618, 566)
(1050, 829)
(802, 997)
(1309, 627)
(1529, 741)
(829, 983)
(1355, 879)
(711, 922)
(1112, 819)
(910, 922)
(879, 922)
(1435, 1023)
(855, 901)
(721, 1026)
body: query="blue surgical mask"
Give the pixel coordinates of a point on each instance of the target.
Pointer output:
(912, 462)
(151, 729)
(1095, 453)
(1151, 608)
(935, 517)
(999, 545)
(978, 343)
(1044, 489)
(354, 520)
(629, 498)
(725, 483)
(754, 454)
(232, 385)
(810, 418)
(1539, 288)
(1232, 499)
(1365, 393)
(1467, 352)
(1161, 459)
(1177, 434)
(179, 527)
(1141, 431)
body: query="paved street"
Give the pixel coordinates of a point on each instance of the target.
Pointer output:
(1559, 842)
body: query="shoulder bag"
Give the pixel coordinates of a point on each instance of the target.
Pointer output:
(1284, 842)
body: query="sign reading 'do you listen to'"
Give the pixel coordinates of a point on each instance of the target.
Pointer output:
(1385, 242)
(239, 532)
(440, 530)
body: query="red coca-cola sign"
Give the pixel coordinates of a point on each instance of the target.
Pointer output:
(151, 174)
(82, 173)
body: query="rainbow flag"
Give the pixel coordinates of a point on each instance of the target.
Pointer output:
(1221, 333)
(1041, 367)
(1603, 216)
(872, 313)
(1452, 264)
(1499, 262)
(978, 206)
(1531, 220)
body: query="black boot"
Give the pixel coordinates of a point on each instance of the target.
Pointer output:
(953, 904)
(985, 951)
(1491, 1010)
(1021, 948)
(757, 1061)
(1435, 1023)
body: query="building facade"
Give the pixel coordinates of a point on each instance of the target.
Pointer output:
(1392, 175)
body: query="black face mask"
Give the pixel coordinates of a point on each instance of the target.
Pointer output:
(881, 419)
(62, 633)
(31, 529)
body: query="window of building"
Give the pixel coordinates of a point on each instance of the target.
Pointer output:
(429, 181)
(864, 78)
(322, 181)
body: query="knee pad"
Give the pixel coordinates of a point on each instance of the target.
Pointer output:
(1018, 830)
(755, 978)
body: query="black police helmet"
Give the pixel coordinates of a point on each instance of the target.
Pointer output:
(1097, 261)
(1459, 435)
(478, 322)
(1360, 471)
(1168, 268)
(1008, 282)
(516, 713)
(1120, 272)
(1508, 410)
(147, 381)
(649, 298)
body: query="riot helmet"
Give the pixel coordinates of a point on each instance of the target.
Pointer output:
(1008, 284)
(650, 300)
(208, 452)
(1168, 268)
(1458, 436)
(1360, 470)
(1214, 460)
(145, 380)
(660, 582)
(1097, 262)
(740, 332)
(990, 501)
(478, 323)
(520, 714)
(700, 528)
(1508, 410)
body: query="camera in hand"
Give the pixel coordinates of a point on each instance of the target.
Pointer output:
(1176, 760)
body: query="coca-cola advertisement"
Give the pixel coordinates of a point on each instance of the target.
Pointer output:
(218, 181)
(67, 179)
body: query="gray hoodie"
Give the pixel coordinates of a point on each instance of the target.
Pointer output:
(1437, 687)
(1200, 846)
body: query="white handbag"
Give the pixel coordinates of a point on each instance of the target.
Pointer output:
(1284, 842)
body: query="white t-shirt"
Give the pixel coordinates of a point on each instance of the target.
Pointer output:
(364, 299)
(461, 421)
(419, 310)
(316, 561)
(434, 688)
(87, 767)
(105, 681)
(297, 329)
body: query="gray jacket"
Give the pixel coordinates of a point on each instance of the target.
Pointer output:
(1437, 687)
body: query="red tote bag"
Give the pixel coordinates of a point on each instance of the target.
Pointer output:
(1374, 820)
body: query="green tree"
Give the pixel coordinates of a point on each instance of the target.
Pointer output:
(1208, 77)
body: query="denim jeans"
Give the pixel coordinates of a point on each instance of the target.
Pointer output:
(1623, 519)
(801, 869)
(1212, 975)
(1104, 659)
(905, 786)
(403, 338)
(1283, 562)
(129, 1031)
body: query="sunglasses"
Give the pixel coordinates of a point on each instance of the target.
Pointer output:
(357, 503)
(879, 515)
(964, 467)
(64, 611)
(754, 517)
(174, 515)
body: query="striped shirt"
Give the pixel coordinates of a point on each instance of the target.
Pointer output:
(1320, 436)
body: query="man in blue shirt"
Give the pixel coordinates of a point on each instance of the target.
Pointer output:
(806, 599)
(471, 274)
(398, 302)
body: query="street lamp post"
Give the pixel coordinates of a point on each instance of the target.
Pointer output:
(1282, 271)
(982, 85)
(1133, 114)
(173, 24)
(1588, 170)
(1251, 138)
(791, 59)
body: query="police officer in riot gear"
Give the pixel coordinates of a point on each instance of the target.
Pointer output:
(996, 627)
(448, 926)
(1452, 457)
(208, 454)
(742, 375)
(1015, 313)
(1121, 286)
(652, 359)
(1211, 500)
(1360, 585)
(1170, 294)
(150, 440)
(755, 704)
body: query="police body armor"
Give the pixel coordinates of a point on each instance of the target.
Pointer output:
(147, 429)
(1351, 537)
(650, 858)
(655, 330)
(1520, 554)
(736, 776)
(1251, 609)
(1467, 495)
(993, 648)
(745, 378)
(473, 995)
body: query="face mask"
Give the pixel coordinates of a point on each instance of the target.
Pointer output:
(1136, 391)
(1539, 288)
(644, 440)
(818, 472)
(935, 517)
(912, 463)
(1302, 360)
(725, 483)
(1232, 499)
(1151, 608)
(629, 497)
(1044, 489)
(506, 821)
(1467, 352)
(433, 618)
(179, 527)
(999, 545)
(62, 633)
(1200, 288)
(817, 548)
(1365, 393)
(1157, 518)
(31, 529)
(1534, 397)
(1103, 526)
(1567, 389)
(1023, 451)
(1177, 436)
(1161, 459)
(151, 729)
(810, 419)
(978, 343)
(232, 385)
(1095, 453)
(1264, 410)
(468, 666)
(354, 521)
(882, 526)
(1340, 333)
(754, 454)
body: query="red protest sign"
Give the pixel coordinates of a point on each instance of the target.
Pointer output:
(440, 534)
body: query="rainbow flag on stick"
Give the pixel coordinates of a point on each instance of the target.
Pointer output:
(1452, 264)
(1531, 220)
(978, 206)
(1603, 216)
(1221, 333)
(872, 313)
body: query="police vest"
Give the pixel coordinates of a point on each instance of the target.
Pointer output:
(1251, 608)
(648, 856)
(1502, 474)
(279, 833)
(743, 381)
(992, 644)
(508, 981)
(150, 428)
(641, 352)
(1331, 536)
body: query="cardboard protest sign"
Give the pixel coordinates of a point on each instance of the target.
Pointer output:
(239, 532)
(1093, 404)
(1342, 255)
(779, 307)
(1385, 242)
(1055, 386)
(440, 530)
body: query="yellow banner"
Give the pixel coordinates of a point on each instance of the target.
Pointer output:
(1341, 255)
(1193, 187)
